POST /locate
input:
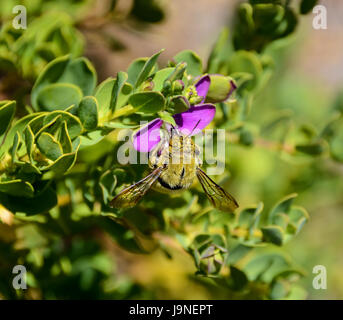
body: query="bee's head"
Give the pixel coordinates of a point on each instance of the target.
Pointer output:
(174, 132)
(176, 141)
(179, 141)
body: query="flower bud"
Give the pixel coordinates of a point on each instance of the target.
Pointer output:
(179, 104)
(221, 88)
(179, 71)
(195, 100)
(167, 86)
(177, 87)
(148, 86)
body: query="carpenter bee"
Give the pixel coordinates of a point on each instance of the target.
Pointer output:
(175, 162)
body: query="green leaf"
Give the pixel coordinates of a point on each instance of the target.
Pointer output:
(91, 138)
(107, 183)
(288, 24)
(307, 5)
(27, 169)
(265, 266)
(179, 104)
(117, 88)
(104, 95)
(279, 289)
(43, 202)
(123, 95)
(62, 164)
(7, 60)
(88, 112)
(289, 218)
(74, 125)
(237, 253)
(51, 73)
(246, 137)
(297, 293)
(76, 72)
(268, 16)
(333, 133)
(81, 73)
(249, 217)
(160, 76)
(14, 149)
(121, 235)
(166, 116)
(50, 126)
(194, 64)
(58, 96)
(338, 102)
(297, 217)
(178, 73)
(29, 141)
(37, 123)
(17, 188)
(7, 110)
(64, 138)
(147, 68)
(19, 127)
(282, 207)
(147, 102)
(313, 149)
(48, 145)
(242, 78)
(245, 61)
(238, 279)
(134, 70)
(119, 125)
(273, 234)
(244, 26)
(220, 53)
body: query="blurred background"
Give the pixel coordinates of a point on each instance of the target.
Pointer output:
(307, 80)
(310, 77)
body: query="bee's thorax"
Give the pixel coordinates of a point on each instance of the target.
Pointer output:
(180, 159)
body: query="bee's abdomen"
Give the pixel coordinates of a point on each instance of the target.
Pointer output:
(166, 185)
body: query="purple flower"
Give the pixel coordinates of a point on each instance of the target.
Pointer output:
(202, 87)
(190, 122)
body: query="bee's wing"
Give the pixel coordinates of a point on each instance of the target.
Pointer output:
(130, 196)
(219, 198)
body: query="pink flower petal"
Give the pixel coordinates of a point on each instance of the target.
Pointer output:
(145, 139)
(192, 121)
(202, 86)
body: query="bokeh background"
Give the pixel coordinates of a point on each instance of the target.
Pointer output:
(309, 78)
(306, 82)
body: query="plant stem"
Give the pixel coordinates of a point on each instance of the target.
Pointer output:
(124, 111)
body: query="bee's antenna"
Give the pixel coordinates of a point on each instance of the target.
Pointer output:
(173, 128)
(194, 128)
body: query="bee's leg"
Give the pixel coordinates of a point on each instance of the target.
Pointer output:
(153, 158)
(155, 154)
